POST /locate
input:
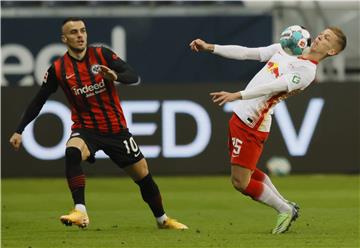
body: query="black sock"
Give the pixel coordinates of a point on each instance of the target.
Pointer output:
(75, 175)
(151, 195)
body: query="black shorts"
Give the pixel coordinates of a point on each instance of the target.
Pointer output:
(121, 147)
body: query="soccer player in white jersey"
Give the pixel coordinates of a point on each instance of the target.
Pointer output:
(282, 76)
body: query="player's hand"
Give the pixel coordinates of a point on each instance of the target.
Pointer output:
(107, 73)
(15, 141)
(223, 97)
(200, 45)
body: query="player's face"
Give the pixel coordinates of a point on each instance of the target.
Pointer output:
(326, 43)
(75, 36)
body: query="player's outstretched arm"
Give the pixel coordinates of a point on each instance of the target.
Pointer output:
(229, 51)
(223, 97)
(15, 141)
(199, 45)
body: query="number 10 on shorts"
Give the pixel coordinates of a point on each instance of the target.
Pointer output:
(236, 146)
(134, 147)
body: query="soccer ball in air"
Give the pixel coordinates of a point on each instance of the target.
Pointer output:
(295, 40)
(278, 166)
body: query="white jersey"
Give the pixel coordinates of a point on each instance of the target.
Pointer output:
(294, 73)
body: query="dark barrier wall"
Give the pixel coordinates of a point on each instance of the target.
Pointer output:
(182, 132)
(158, 47)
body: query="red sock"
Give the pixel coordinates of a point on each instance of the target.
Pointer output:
(258, 175)
(254, 189)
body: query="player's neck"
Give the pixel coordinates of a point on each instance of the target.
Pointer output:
(313, 56)
(77, 54)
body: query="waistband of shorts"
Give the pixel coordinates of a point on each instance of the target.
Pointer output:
(91, 131)
(249, 129)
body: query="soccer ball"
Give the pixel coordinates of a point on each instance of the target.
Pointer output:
(295, 40)
(278, 166)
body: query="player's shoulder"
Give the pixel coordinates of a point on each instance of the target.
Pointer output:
(305, 64)
(101, 47)
(304, 67)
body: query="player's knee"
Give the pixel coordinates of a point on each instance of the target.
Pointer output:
(239, 184)
(72, 156)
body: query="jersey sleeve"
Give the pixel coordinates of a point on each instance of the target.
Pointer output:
(243, 53)
(237, 52)
(300, 78)
(276, 86)
(125, 73)
(267, 52)
(48, 87)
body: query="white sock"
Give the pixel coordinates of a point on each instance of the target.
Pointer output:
(269, 198)
(268, 182)
(80, 207)
(161, 219)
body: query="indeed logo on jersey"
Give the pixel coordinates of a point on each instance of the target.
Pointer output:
(90, 90)
(273, 68)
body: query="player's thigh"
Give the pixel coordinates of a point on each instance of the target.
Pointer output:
(138, 170)
(125, 153)
(81, 145)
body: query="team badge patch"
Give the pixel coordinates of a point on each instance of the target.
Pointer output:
(295, 79)
(95, 69)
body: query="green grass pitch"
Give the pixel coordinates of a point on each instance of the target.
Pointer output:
(217, 215)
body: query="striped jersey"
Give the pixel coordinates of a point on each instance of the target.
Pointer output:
(93, 100)
(298, 74)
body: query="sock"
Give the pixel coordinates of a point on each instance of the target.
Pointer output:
(81, 208)
(262, 177)
(161, 219)
(74, 174)
(262, 193)
(151, 195)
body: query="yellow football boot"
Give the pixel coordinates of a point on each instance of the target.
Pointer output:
(172, 224)
(75, 217)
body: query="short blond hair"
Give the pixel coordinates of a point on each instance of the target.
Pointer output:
(340, 35)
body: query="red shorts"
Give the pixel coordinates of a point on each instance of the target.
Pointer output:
(245, 144)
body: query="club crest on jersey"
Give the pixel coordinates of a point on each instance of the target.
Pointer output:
(95, 69)
(273, 68)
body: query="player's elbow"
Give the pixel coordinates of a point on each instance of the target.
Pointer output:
(135, 81)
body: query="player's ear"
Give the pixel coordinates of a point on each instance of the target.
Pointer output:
(63, 38)
(332, 52)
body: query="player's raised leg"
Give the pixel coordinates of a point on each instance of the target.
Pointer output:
(258, 191)
(76, 151)
(262, 177)
(151, 194)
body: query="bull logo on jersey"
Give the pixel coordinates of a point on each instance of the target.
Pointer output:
(95, 69)
(273, 68)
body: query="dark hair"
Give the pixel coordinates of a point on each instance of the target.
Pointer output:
(340, 35)
(72, 19)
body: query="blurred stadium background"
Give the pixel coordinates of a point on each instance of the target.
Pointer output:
(170, 114)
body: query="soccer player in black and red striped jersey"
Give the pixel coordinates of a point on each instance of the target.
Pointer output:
(86, 74)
